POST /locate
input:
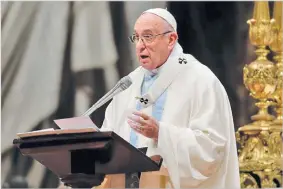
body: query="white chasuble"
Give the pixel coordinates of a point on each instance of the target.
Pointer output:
(196, 132)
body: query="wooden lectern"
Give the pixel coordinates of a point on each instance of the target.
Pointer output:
(81, 158)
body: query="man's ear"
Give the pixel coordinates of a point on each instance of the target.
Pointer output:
(172, 39)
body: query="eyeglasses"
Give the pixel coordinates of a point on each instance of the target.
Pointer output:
(145, 38)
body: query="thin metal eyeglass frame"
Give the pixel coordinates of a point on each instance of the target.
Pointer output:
(154, 36)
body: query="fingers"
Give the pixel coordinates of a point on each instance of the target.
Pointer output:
(142, 129)
(143, 124)
(136, 126)
(137, 119)
(141, 114)
(133, 123)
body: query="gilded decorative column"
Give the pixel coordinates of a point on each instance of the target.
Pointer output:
(276, 47)
(260, 141)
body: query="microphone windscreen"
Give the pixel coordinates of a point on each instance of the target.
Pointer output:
(125, 82)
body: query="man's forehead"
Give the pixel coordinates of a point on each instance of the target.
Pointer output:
(149, 22)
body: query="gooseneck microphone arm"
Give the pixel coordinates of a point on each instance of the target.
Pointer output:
(122, 85)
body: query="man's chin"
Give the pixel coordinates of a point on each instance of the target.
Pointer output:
(147, 66)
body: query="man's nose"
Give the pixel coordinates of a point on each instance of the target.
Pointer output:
(140, 44)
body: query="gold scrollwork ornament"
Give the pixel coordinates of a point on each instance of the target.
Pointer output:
(247, 181)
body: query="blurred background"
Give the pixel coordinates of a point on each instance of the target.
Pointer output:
(58, 58)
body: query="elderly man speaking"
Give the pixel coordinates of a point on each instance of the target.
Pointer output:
(178, 109)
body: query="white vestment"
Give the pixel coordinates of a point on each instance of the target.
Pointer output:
(196, 131)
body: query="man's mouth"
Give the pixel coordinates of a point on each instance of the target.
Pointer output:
(144, 56)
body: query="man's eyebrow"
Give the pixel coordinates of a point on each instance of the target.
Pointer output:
(145, 31)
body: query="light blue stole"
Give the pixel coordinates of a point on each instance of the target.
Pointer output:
(157, 110)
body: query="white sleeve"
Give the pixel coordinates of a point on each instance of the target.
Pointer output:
(194, 152)
(108, 120)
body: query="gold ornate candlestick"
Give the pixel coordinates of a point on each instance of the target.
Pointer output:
(277, 47)
(259, 76)
(260, 142)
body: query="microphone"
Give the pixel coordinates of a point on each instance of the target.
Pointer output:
(122, 85)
